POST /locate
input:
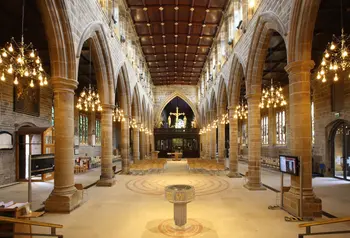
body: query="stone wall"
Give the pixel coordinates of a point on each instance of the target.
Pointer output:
(164, 94)
(10, 121)
(326, 118)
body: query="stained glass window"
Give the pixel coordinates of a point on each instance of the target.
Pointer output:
(83, 128)
(281, 127)
(265, 130)
(98, 132)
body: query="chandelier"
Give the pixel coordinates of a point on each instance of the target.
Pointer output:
(118, 115)
(272, 96)
(214, 124)
(22, 61)
(241, 111)
(336, 57)
(205, 129)
(224, 118)
(89, 100)
(133, 123)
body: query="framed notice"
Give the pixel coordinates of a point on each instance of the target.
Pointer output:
(6, 140)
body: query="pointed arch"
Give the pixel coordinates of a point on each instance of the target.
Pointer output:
(171, 97)
(267, 23)
(102, 59)
(234, 84)
(222, 99)
(60, 38)
(136, 104)
(123, 90)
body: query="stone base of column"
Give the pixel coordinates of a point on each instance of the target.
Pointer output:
(312, 205)
(103, 182)
(64, 203)
(254, 187)
(232, 174)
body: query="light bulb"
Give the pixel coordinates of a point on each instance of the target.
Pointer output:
(0, 60)
(327, 55)
(332, 46)
(16, 81)
(41, 83)
(251, 3)
(345, 53)
(10, 69)
(26, 73)
(40, 77)
(2, 76)
(37, 60)
(45, 81)
(322, 72)
(32, 54)
(10, 48)
(4, 54)
(323, 62)
(335, 78)
(34, 72)
(19, 59)
(31, 84)
(324, 79)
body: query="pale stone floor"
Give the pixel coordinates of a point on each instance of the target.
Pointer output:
(41, 190)
(136, 208)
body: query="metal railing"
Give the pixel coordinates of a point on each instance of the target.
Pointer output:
(325, 222)
(11, 220)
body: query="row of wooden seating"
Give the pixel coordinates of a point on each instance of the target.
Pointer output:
(202, 165)
(80, 169)
(267, 162)
(148, 166)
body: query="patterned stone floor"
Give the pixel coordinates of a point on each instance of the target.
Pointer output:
(136, 208)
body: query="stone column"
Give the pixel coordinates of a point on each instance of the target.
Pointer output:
(301, 140)
(64, 197)
(136, 143)
(213, 143)
(92, 128)
(221, 142)
(125, 145)
(208, 147)
(107, 173)
(254, 142)
(233, 155)
(142, 145)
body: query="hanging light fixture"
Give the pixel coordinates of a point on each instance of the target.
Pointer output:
(22, 61)
(89, 100)
(241, 111)
(118, 115)
(336, 56)
(272, 96)
(133, 123)
(214, 124)
(224, 118)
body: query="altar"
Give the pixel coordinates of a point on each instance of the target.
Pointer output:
(176, 156)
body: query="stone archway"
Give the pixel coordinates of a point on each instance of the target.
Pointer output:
(171, 97)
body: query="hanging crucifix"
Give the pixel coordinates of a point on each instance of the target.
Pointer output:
(177, 114)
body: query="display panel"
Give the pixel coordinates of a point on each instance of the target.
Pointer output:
(289, 164)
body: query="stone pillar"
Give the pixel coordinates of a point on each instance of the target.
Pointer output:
(64, 197)
(125, 131)
(92, 128)
(208, 147)
(221, 142)
(142, 145)
(233, 155)
(254, 142)
(136, 143)
(107, 173)
(301, 140)
(213, 143)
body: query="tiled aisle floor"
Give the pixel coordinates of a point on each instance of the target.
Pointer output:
(136, 208)
(41, 190)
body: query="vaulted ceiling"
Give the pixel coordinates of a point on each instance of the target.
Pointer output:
(176, 36)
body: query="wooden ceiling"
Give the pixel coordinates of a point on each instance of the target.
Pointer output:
(176, 36)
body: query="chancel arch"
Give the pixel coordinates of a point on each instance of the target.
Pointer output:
(177, 130)
(171, 97)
